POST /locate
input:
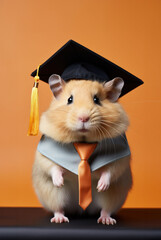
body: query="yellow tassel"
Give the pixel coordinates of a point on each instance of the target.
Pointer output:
(34, 112)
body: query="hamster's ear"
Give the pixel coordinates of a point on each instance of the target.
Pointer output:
(56, 84)
(113, 88)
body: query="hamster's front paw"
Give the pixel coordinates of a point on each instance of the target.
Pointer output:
(104, 182)
(58, 181)
(57, 177)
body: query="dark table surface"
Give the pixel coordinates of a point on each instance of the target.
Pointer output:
(34, 223)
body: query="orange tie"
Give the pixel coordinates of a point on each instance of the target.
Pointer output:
(84, 173)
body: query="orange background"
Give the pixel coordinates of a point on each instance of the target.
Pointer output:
(126, 32)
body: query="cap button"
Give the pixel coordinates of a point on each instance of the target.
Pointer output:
(36, 78)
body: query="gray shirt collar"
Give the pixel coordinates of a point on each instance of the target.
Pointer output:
(65, 155)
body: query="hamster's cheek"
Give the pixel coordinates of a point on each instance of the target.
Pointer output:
(95, 119)
(71, 122)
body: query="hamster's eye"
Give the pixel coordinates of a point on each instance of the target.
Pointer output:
(70, 99)
(96, 100)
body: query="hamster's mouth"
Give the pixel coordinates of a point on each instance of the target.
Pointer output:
(83, 127)
(83, 130)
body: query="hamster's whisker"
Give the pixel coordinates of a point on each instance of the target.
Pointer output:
(104, 129)
(94, 123)
(120, 133)
(97, 118)
(92, 112)
(115, 129)
(116, 124)
(110, 137)
(98, 132)
(108, 124)
(102, 134)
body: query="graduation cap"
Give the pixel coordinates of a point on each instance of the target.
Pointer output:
(74, 61)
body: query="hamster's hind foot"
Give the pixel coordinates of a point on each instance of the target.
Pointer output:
(106, 219)
(59, 218)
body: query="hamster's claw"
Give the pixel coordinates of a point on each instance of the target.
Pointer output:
(59, 218)
(106, 220)
(103, 183)
(102, 186)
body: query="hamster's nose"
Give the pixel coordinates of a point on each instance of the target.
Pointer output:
(83, 118)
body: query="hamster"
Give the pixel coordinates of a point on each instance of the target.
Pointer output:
(88, 111)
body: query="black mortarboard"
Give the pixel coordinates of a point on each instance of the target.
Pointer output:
(74, 61)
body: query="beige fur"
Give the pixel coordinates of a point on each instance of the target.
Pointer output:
(60, 122)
